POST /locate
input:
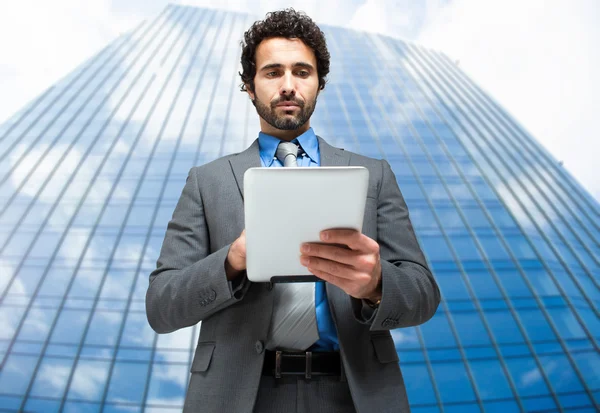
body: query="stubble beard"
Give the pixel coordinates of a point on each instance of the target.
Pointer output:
(285, 121)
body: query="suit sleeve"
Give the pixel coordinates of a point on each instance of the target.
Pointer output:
(410, 293)
(189, 283)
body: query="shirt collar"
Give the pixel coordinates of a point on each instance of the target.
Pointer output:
(268, 145)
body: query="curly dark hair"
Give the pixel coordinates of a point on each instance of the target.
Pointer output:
(290, 24)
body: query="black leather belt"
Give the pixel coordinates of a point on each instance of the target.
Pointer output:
(307, 364)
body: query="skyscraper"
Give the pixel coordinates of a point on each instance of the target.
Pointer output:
(90, 172)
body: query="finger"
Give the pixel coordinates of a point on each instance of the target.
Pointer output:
(330, 252)
(352, 238)
(331, 267)
(350, 287)
(330, 278)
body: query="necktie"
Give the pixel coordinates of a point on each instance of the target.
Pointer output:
(287, 152)
(294, 321)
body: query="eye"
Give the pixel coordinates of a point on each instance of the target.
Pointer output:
(271, 74)
(303, 73)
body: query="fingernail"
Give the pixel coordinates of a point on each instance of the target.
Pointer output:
(304, 260)
(325, 235)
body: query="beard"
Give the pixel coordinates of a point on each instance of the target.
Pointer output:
(286, 121)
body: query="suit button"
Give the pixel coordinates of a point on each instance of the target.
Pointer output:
(389, 323)
(259, 346)
(212, 295)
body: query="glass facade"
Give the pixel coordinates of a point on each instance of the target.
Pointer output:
(90, 172)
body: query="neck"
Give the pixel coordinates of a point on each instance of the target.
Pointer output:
(284, 135)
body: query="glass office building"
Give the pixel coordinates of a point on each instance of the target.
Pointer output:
(91, 171)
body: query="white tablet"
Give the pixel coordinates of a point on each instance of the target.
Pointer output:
(285, 207)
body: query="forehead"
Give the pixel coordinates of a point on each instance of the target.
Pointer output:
(283, 51)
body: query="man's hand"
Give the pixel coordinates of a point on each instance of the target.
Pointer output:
(355, 269)
(236, 257)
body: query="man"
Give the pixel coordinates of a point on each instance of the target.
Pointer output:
(371, 281)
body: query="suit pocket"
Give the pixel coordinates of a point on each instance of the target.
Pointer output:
(202, 357)
(384, 347)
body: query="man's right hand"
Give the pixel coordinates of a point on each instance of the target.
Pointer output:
(235, 263)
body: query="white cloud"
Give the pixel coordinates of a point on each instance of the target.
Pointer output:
(396, 18)
(38, 322)
(89, 379)
(336, 12)
(522, 203)
(536, 59)
(9, 318)
(47, 41)
(56, 37)
(6, 273)
(405, 336)
(54, 375)
(530, 377)
(39, 163)
(42, 162)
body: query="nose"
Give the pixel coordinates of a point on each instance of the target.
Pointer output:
(287, 85)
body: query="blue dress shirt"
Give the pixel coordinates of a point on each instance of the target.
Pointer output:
(328, 340)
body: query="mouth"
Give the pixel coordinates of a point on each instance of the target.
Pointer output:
(286, 106)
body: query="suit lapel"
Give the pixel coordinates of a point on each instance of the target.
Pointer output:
(331, 156)
(250, 158)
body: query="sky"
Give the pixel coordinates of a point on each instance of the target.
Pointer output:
(534, 57)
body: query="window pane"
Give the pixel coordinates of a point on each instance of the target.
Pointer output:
(453, 383)
(490, 378)
(51, 378)
(127, 382)
(168, 384)
(89, 380)
(471, 330)
(436, 332)
(535, 324)
(16, 374)
(566, 323)
(527, 377)
(452, 285)
(560, 373)
(504, 327)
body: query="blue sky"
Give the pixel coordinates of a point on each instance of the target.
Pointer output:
(535, 57)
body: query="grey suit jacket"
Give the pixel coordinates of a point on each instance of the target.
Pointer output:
(189, 285)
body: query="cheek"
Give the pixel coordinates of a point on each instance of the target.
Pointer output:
(263, 90)
(309, 91)
(266, 96)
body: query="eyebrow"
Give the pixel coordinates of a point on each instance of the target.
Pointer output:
(279, 65)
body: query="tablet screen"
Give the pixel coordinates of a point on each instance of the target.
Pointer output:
(285, 207)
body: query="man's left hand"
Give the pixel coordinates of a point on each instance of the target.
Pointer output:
(347, 259)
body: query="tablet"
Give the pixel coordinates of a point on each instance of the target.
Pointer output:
(285, 207)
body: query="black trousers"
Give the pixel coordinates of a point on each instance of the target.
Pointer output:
(294, 394)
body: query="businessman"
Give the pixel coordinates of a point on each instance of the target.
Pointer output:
(256, 351)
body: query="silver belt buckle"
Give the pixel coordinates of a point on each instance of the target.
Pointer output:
(278, 364)
(308, 366)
